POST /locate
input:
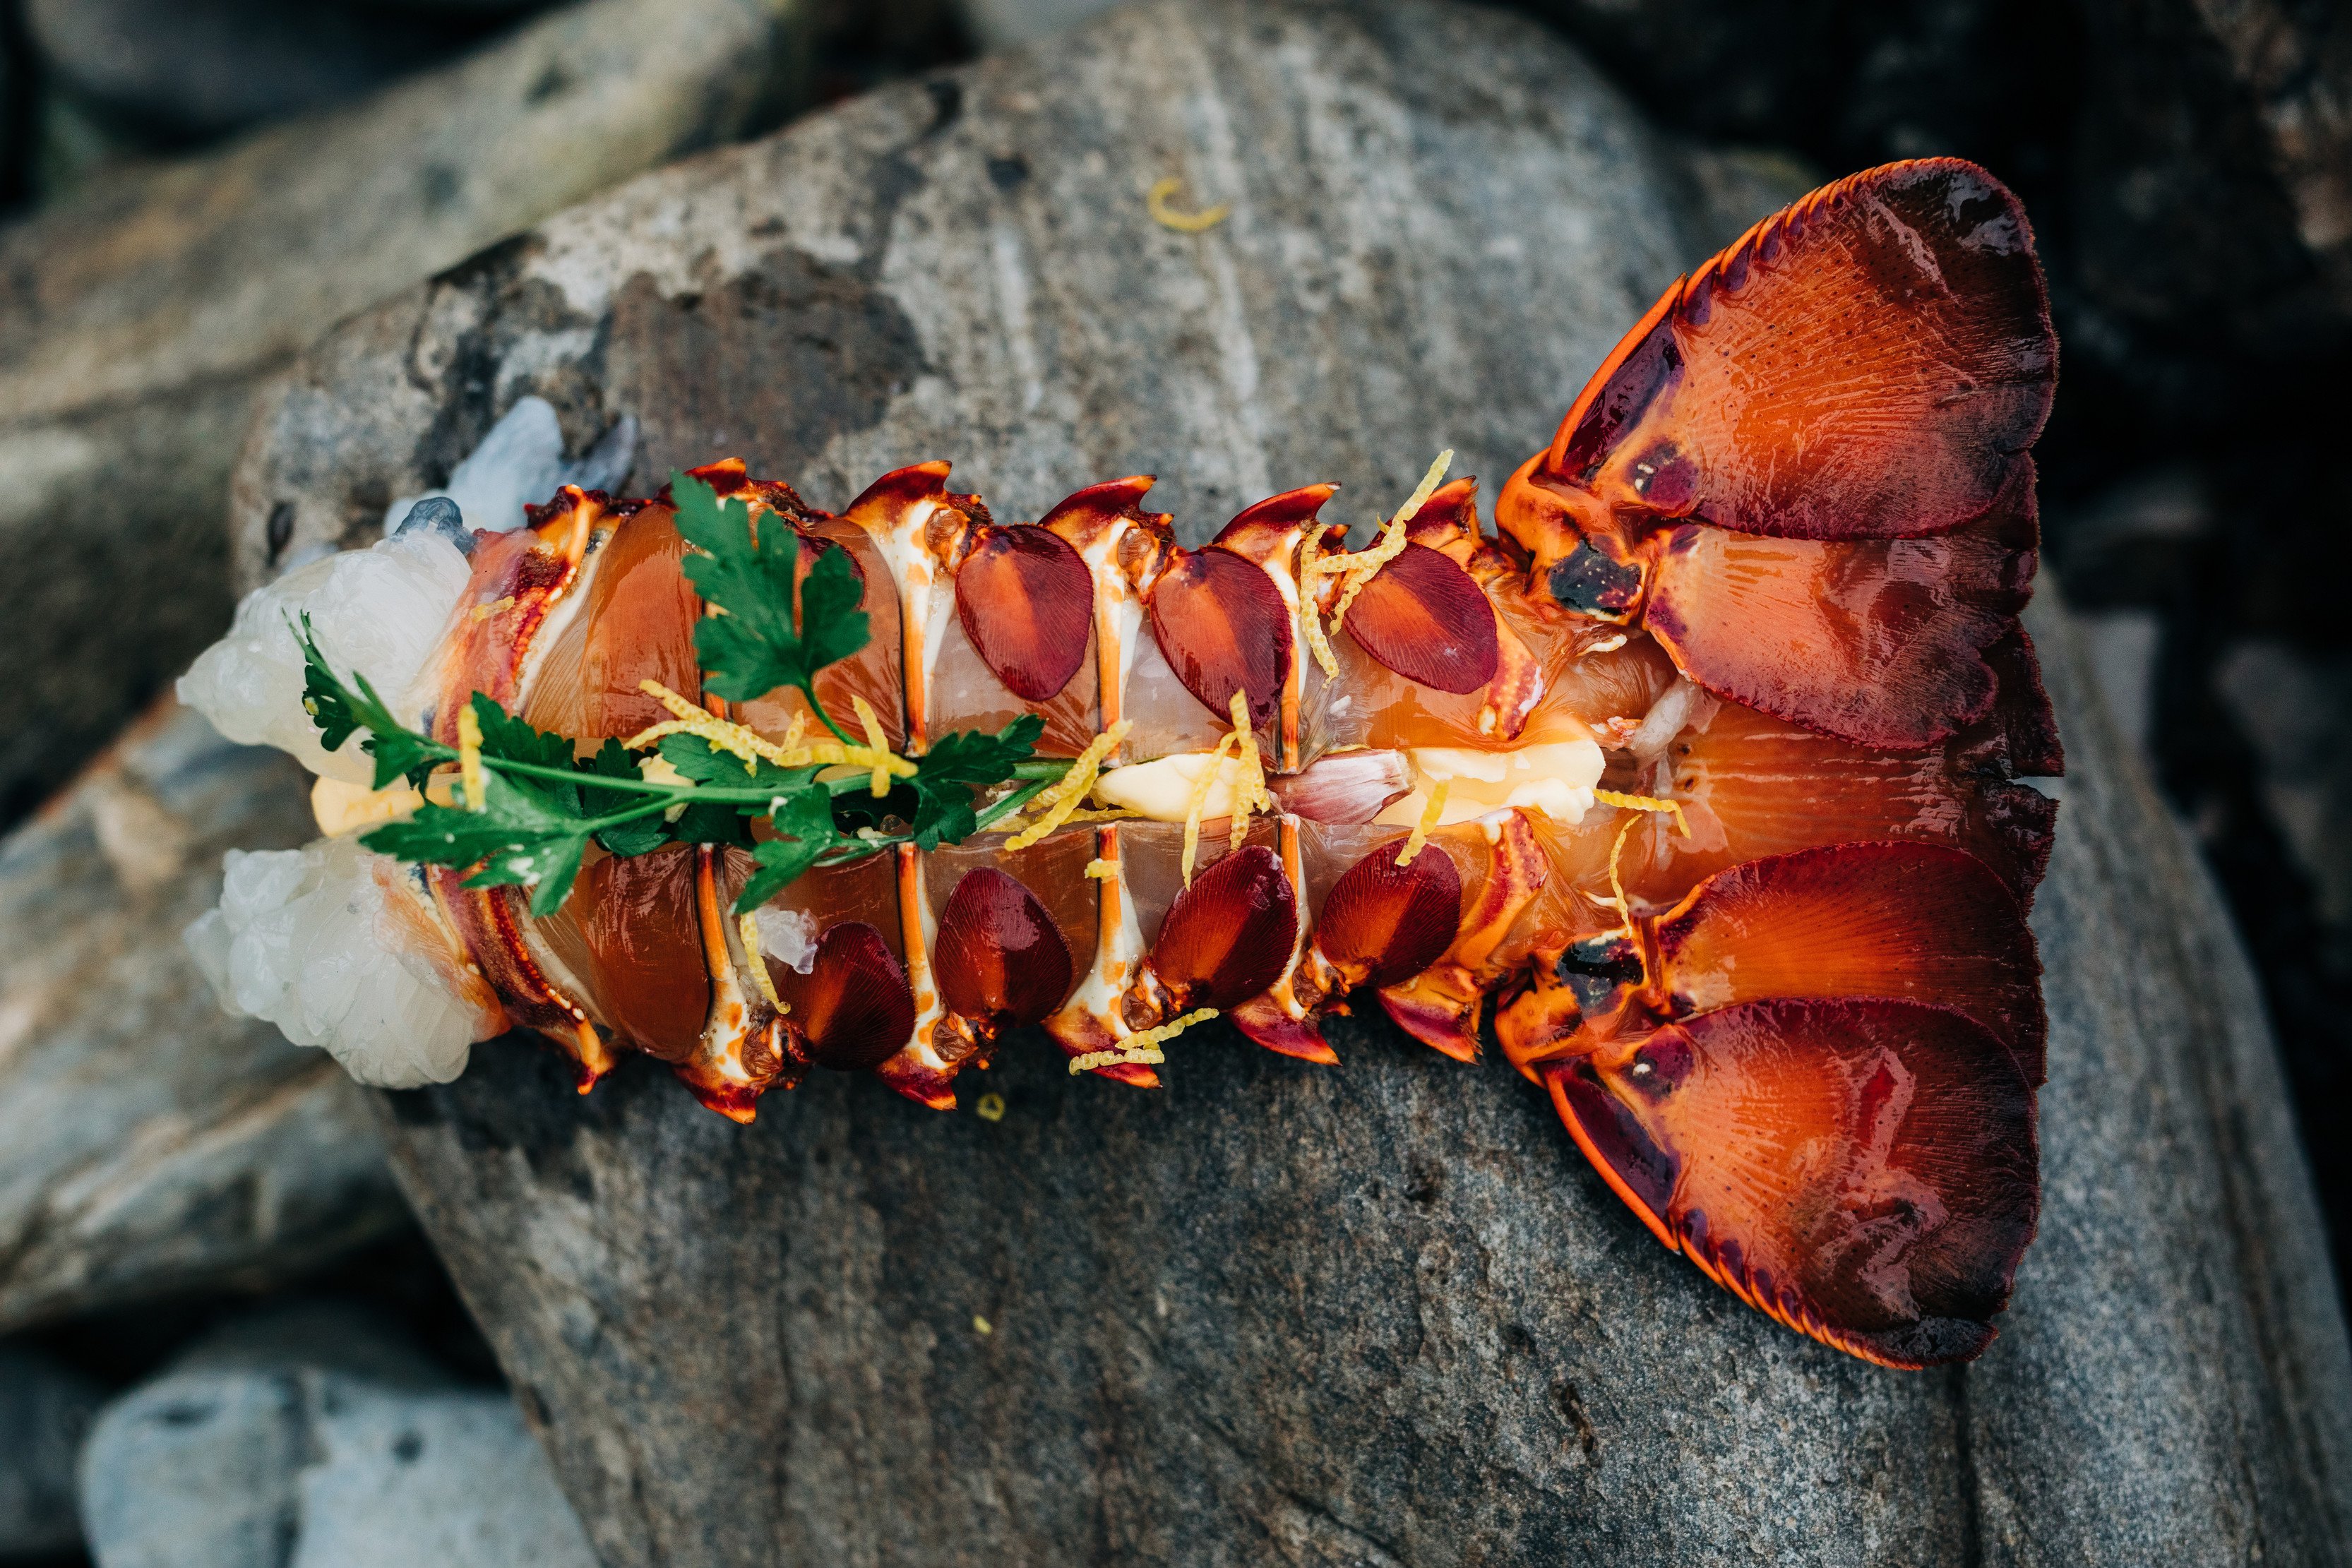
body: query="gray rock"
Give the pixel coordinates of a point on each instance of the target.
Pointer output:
(181, 70)
(147, 1143)
(2295, 707)
(1377, 1314)
(45, 1411)
(2215, 166)
(135, 321)
(313, 1442)
(999, 23)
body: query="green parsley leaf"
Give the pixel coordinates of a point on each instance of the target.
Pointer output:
(641, 836)
(705, 763)
(506, 736)
(936, 802)
(805, 831)
(338, 712)
(754, 647)
(523, 835)
(713, 822)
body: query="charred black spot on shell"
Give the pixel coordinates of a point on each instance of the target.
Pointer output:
(1595, 968)
(1590, 583)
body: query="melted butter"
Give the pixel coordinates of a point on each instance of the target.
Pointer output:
(1162, 788)
(343, 808)
(1556, 778)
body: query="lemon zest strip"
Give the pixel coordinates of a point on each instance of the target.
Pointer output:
(1141, 1049)
(747, 926)
(1646, 803)
(484, 611)
(1199, 800)
(1155, 201)
(1062, 798)
(1310, 567)
(470, 758)
(1421, 830)
(738, 740)
(1617, 888)
(1250, 793)
(875, 738)
(1102, 870)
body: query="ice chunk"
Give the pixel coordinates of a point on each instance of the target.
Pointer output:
(380, 612)
(333, 945)
(787, 936)
(520, 463)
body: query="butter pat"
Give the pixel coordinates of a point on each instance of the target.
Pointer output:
(1162, 789)
(343, 808)
(1556, 778)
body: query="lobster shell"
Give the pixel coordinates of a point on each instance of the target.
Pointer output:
(1768, 572)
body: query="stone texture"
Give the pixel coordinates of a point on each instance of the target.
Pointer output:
(181, 70)
(45, 1411)
(310, 1440)
(135, 321)
(999, 23)
(147, 1143)
(1377, 1314)
(2216, 165)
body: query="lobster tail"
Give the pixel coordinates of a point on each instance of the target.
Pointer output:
(1707, 771)
(1864, 1171)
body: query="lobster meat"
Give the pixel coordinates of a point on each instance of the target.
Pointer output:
(1703, 769)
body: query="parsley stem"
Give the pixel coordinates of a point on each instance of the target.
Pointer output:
(1018, 799)
(809, 691)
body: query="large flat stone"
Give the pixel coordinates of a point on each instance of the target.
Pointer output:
(1377, 1314)
(136, 319)
(313, 1439)
(149, 1143)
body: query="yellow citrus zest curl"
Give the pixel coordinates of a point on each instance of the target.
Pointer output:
(1250, 792)
(1141, 1050)
(875, 739)
(1061, 799)
(1200, 802)
(736, 740)
(469, 759)
(1646, 803)
(747, 926)
(1430, 813)
(1155, 201)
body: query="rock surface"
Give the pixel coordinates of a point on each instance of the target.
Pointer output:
(135, 321)
(149, 1143)
(45, 1411)
(181, 70)
(1377, 1314)
(309, 1441)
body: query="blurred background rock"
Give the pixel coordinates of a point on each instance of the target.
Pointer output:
(191, 191)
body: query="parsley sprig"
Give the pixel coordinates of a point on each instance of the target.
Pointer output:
(543, 804)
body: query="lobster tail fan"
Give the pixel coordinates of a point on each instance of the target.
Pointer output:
(853, 1008)
(2018, 735)
(1755, 784)
(1864, 1171)
(1422, 616)
(1883, 642)
(1907, 921)
(1865, 364)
